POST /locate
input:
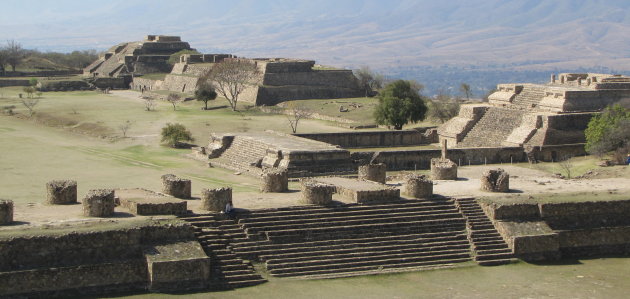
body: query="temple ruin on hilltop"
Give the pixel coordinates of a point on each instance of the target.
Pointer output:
(124, 60)
(537, 115)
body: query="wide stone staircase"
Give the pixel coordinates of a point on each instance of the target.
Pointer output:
(493, 128)
(489, 248)
(322, 242)
(528, 98)
(215, 234)
(243, 155)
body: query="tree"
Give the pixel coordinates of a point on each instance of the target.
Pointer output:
(204, 94)
(33, 81)
(30, 104)
(30, 90)
(566, 164)
(231, 76)
(124, 127)
(369, 80)
(443, 107)
(174, 134)
(14, 54)
(3, 59)
(295, 113)
(608, 130)
(174, 99)
(399, 104)
(174, 58)
(465, 89)
(149, 103)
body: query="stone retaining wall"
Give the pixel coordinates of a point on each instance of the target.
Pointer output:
(14, 82)
(374, 138)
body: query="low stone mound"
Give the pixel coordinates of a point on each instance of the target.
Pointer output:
(6, 211)
(60, 192)
(146, 202)
(274, 180)
(176, 187)
(443, 169)
(495, 180)
(99, 203)
(363, 192)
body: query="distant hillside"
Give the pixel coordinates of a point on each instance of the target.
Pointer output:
(397, 36)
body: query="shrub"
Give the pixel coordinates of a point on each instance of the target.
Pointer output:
(174, 134)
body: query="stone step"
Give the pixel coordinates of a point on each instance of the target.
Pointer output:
(321, 223)
(494, 251)
(373, 264)
(368, 253)
(494, 256)
(496, 245)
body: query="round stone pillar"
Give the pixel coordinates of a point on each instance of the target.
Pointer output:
(6, 211)
(373, 172)
(418, 186)
(274, 180)
(176, 187)
(215, 200)
(61, 192)
(495, 181)
(99, 203)
(443, 169)
(316, 193)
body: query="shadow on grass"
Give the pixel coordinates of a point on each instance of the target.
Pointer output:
(123, 215)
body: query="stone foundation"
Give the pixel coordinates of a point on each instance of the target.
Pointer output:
(316, 193)
(373, 172)
(176, 187)
(60, 192)
(495, 181)
(6, 211)
(146, 202)
(274, 180)
(418, 186)
(443, 169)
(215, 200)
(99, 203)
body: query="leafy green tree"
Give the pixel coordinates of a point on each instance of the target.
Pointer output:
(174, 134)
(33, 81)
(204, 94)
(399, 104)
(608, 130)
(174, 58)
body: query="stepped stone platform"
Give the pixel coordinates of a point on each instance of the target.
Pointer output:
(146, 202)
(252, 152)
(362, 191)
(350, 239)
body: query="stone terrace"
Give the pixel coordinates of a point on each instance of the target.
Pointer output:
(493, 128)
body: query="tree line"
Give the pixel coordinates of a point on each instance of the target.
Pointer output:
(12, 55)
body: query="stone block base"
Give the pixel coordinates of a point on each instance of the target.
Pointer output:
(443, 169)
(274, 180)
(61, 192)
(418, 186)
(215, 200)
(99, 203)
(373, 172)
(316, 193)
(495, 181)
(176, 187)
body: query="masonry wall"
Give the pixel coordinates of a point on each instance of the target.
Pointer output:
(331, 78)
(180, 83)
(272, 95)
(372, 139)
(13, 82)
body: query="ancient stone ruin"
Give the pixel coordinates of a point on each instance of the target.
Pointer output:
(146, 202)
(551, 116)
(442, 168)
(361, 191)
(6, 211)
(176, 187)
(61, 192)
(418, 186)
(373, 172)
(274, 180)
(99, 203)
(215, 200)
(316, 193)
(495, 180)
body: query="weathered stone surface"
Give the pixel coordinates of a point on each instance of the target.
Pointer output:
(61, 192)
(361, 191)
(418, 186)
(6, 211)
(511, 211)
(215, 200)
(373, 172)
(177, 187)
(146, 202)
(443, 169)
(99, 203)
(495, 180)
(316, 193)
(177, 267)
(274, 180)
(530, 240)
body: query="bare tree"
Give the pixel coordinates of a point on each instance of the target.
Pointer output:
(466, 91)
(3, 59)
(124, 127)
(566, 164)
(174, 99)
(295, 113)
(14, 53)
(30, 104)
(369, 80)
(231, 77)
(443, 107)
(149, 103)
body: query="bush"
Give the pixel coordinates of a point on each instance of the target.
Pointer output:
(608, 131)
(174, 134)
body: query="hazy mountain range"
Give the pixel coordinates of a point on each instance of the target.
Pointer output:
(398, 37)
